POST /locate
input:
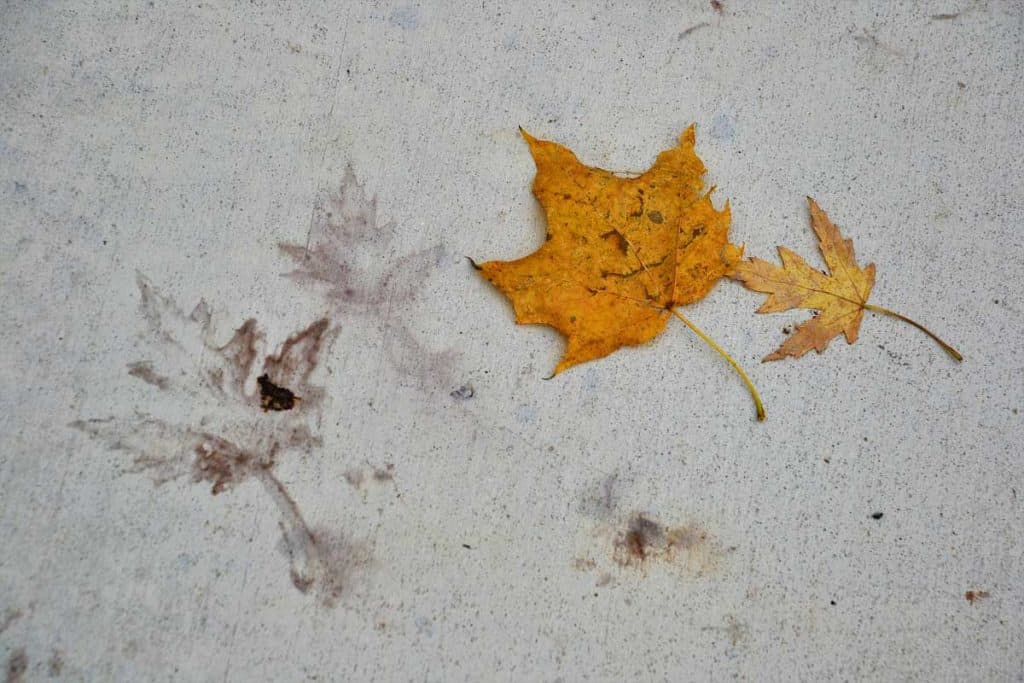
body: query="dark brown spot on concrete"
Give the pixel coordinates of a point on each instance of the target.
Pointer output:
(971, 596)
(273, 397)
(718, 6)
(644, 540)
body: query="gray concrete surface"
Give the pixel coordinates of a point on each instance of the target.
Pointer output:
(388, 529)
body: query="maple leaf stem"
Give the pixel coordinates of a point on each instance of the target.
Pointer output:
(735, 366)
(945, 347)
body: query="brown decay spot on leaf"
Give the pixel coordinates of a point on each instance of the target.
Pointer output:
(350, 257)
(971, 596)
(17, 665)
(240, 433)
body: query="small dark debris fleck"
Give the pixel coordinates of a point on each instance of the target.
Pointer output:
(961, 85)
(273, 397)
(463, 393)
(467, 546)
(877, 515)
(787, 329)
(971, 596)
(717, 5)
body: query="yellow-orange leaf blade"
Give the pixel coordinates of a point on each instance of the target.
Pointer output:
(619, 253)
(839, 296)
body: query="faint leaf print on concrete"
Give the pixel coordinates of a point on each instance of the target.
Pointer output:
(353, 258)
(249, 410)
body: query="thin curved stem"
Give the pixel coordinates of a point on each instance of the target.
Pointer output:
(945, 347)
(726, 356)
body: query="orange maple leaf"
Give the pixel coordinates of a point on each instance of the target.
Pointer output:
(840, 296)
(621, 253)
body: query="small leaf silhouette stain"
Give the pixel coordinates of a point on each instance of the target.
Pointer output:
(350, 258)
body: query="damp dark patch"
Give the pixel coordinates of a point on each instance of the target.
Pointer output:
(463, 393)
(248, 416)
(274, 397)
(17, 665)
(350, 259)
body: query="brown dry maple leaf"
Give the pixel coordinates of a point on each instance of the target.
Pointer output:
(621, 253)
(841, 295)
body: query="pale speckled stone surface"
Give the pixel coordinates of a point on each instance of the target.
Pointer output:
(187, 141)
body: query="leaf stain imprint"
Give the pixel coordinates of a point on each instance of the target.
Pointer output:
(241, 431)
(350, 258)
